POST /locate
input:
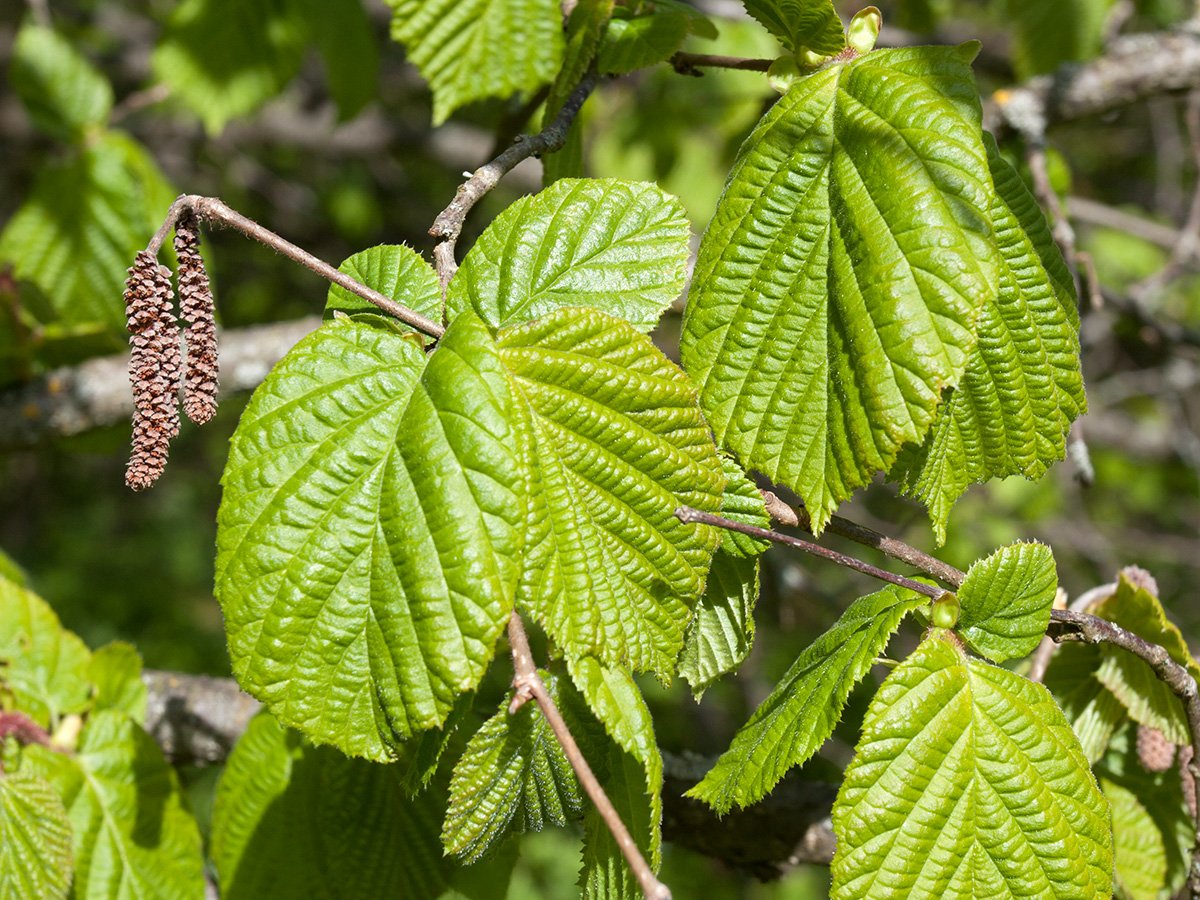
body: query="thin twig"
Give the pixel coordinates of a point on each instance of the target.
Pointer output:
(688, 515)
(212, 210)
(528, 685)
(1069, 625)
(137, 101)
(449, 223)
(691, 63)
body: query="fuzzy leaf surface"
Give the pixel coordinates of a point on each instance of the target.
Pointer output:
(512, 778)
(631, 44)
(801, 713)
(838, 285)
(614, 442)
(292, 820)
(517, 43)
(1141, 858)
(35, 839)
(132, 835)
(801, 24)
(63, 92)
(618, 246)
(368, 530)
(1006, 600)
(968, 783)
(395, 271)
(1023, 387)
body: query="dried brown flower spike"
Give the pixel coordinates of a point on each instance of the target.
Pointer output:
(196, 307)
(154, 368)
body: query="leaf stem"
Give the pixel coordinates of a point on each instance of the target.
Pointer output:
(528, 685)
(212, 210)
(687, 514)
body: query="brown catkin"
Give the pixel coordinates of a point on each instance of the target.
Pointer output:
(154, 368)
(1154, 751)
(196, 308)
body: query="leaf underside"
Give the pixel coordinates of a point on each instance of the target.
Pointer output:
(801, 24)
(1141, 858)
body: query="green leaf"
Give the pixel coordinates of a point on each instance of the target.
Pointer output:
(395, 271)
(368, 532)
(1006, 601)
(132, 834)
(801, 24)
(605, 874)
(584, 29)
(225, 58)
(1049, 34)
(1148, 700)
(614, 442)
(1141, 859)
(743, 503)
(1093, 711)
(291, 820)
(35, 839)
(78, 230)
(968, 782)
(722, 629)
(345, 38)
(115, 671)
(837, 287)
(512, 778)
(63, 92)
(1013, 410)
(631, 44)
(43, 667)
(420, 755)
(618, 246)
(517, 43)
(801, 713)
(10, 570)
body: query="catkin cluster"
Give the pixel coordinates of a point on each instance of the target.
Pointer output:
(156, 368)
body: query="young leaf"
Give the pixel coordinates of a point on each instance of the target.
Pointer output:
(853, 240)
(801, 24)
(618, 246)
(1006, 600)
(518, 43)
(512, 778)
(1141, 858)
(1023, 387)
(722, 628)
(395, 271)
(43, 667)
(369, 531)
(64, 93)
(801, 713)
(642, 41)
(1049, 34)
(614, 442)
(291, 820)
(968, 782)
(35, 839)
(1091, 708)
(115, 670)
(225, 59)
(132, 835)
(80, 227)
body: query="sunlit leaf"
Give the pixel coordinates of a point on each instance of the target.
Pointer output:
(1006, 601)
(35, 839)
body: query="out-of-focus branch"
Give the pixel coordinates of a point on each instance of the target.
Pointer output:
(196, 719)
(73, 400)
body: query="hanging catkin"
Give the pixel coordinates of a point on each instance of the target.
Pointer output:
(196, 308)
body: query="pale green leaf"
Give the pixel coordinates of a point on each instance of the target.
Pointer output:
(1023, 388)
(369, 530)
(968, 783)
(1091, 708)
(225, 58)
(618, 246)
(1141, 858)
(64, 93)
(291, 820)
(79, 228)
(801, 713)
(132, 835)
(635, 43)
(471, 49)
(837, 287)
(801, 24)
(115, 671)
(43, 667)
(344, 36)
(1049, 34)
(396, 271)
(35, 840)
(721, 633)
(1005, 601)
(614, 442)
(512, 778)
